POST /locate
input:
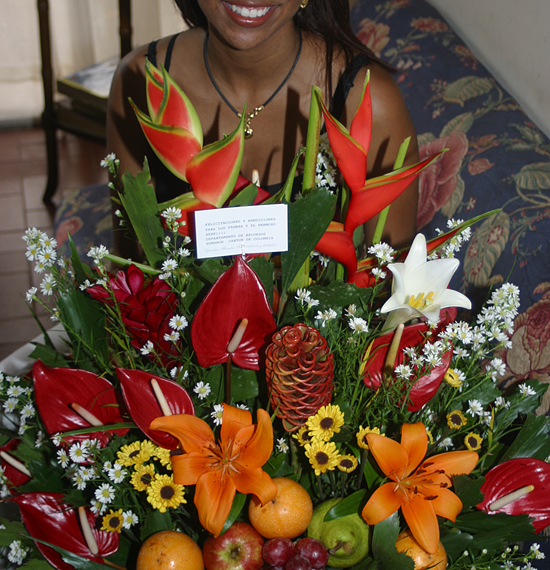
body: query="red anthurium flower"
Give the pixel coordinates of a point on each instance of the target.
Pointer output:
(517, 487)
(174, 132)
(57, 389)
(237, 294)
(143, 404)
(47, 518)
(14, 476)
(424, 389)
(419, 486)
(146, 307)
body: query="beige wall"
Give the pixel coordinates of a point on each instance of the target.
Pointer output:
(511, 38)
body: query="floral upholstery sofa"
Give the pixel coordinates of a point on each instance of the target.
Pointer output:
(497, 159)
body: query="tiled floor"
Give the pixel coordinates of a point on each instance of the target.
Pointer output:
(23, 174)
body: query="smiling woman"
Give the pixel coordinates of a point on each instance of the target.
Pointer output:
(265, 55)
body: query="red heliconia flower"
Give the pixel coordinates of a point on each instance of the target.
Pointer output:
(425, 388)
(299, 373)
(146, 307)
(46, 517)
(237, 294)
(525, 484)
(14, 476)
(57, 389)
(143, 405)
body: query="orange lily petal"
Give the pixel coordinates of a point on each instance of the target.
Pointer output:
(233, 421)
(256, 446)
(383, 503)
(193, 433)
(415, 441)
(454, 462)
(257, 482)
(391, 456)
(447, 504)
(189, 467)
(214, 494)
(420, 516)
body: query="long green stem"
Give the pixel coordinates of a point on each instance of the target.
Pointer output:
(312, 143)
(382, 217)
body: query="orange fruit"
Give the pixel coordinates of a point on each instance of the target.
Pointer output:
(169, 550)
(287, 515)
(422, 560)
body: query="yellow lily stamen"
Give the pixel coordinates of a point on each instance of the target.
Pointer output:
(421, 302)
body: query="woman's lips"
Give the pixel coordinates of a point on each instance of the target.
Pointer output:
(247, 15)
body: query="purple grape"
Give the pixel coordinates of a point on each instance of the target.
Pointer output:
(314, 550)
(298, 563)
(277, 551)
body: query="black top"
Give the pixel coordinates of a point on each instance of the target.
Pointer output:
(168, 186)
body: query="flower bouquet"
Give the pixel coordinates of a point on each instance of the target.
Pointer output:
(283, 405)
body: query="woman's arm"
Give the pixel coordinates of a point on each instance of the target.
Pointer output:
(392, 124)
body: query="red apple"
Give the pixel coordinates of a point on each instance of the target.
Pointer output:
(239, 548)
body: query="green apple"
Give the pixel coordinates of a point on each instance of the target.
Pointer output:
(346, 538)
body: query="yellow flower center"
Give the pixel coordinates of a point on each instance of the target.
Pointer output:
(422, 301)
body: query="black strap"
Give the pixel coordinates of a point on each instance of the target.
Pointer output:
(152, 52)
(346, 83)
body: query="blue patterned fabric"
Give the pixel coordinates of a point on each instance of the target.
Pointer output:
(497, 159)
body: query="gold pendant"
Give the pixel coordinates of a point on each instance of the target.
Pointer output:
(248, 130)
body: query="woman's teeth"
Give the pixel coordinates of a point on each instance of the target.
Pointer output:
(249, 12)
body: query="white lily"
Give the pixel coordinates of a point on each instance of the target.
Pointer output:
(420, 287)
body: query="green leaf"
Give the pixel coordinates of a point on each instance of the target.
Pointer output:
(236, 508)
(468, 490)
(467, 88)
(347, 506)
(456, 542)
(81, 270)
(49, 356)
(533, 177)
(304, 231)
(244, 384)
(462, 123)
(340, 294)
(312, 140)
(532, 440)
(13, 531)
(84, 322)
(155, 521)
(37, 564)
(245, 197)
(141, 206)
(264, 270)
(384, 537)
(210, 270)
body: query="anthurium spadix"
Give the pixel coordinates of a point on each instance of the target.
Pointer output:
(174, 132)
(420, 287)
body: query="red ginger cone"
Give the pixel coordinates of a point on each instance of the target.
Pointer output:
(299, 372)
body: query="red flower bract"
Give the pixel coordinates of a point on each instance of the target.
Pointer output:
(146, 308)
(237, 294)
(299, 373)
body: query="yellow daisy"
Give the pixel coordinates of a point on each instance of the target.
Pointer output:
(456, 419)
(112, 522)
(303, 436)
(163, 493)
(128, 455)
(452, 378)
(362, 436)
(142, 477)
(473, 441)
(326, 422)
(347, 463)
(322, 455)
(163, 455)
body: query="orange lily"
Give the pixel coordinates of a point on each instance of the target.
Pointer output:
(419, 488)
(219, 470)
